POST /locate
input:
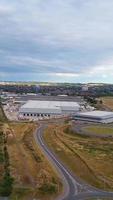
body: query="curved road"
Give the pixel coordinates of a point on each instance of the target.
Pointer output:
(74, 188)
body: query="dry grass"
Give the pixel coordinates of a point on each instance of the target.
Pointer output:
(1, 154)
(108, 102)
(98, 129)
(29, 167)
(2, 115)
(89, 158)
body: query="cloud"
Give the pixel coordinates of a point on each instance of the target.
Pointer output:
(104, 69)
(67, 38)
(65, 74)
(5, 10)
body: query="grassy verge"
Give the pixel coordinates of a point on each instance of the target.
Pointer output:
(89, 158)
(34, 176)
(2, 115)
(98, 129)
(108, 102)
(6, 180)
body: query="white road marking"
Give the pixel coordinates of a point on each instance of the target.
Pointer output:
(75, 184)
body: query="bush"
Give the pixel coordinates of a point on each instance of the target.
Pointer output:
(7, 181)
(48, 188)
(6, 185)
(1, 157)
(67, 130)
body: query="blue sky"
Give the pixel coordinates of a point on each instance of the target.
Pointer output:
(61, 41)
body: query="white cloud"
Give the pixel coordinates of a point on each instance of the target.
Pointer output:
(67, 37)
(5, 9)
(66, 74)
(103, 69)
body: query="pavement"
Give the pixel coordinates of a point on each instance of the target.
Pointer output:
(73, 187)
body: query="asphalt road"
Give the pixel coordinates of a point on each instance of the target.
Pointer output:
(74, 188)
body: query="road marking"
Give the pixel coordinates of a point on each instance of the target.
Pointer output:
(75, 184)
(92, 191)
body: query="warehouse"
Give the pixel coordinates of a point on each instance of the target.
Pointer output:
(95, 116)
(37, 109)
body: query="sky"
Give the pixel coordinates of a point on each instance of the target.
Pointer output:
(56, 40)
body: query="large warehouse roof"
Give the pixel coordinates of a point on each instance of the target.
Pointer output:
(49, 106)
(95, 116)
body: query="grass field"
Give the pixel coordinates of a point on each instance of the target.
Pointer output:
(2, 115)
(34, 176)
(108, 102)
(6, 179)
(98, 129)
(89, 158)
(1, 155)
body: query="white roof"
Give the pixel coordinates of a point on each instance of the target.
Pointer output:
(48, 106)
(37, 104)
(96, 113)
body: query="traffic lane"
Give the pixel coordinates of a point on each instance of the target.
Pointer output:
(71, 182)
(61, 175)
(75, 186)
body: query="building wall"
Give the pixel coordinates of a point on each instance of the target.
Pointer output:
(36, 116)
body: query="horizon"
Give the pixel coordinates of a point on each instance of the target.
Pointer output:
(50, 82)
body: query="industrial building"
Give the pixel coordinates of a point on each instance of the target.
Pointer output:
(37, 109)
(95, 116)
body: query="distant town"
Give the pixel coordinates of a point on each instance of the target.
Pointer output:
(53, 89)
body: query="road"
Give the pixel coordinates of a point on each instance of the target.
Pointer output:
(74, 188)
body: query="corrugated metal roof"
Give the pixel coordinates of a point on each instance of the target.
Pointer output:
(96, 114)
(48, 107)
(45, 104)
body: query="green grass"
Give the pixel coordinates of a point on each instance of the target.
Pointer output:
(99, 130)
(6, 180)
(21, 194)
